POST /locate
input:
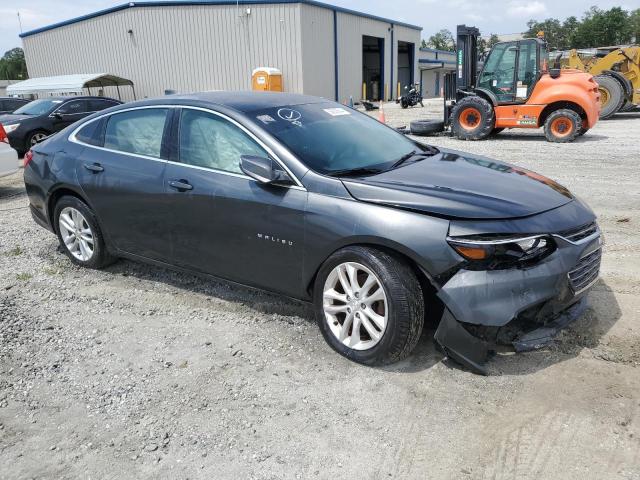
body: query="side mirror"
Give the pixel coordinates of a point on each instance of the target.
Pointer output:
(264, 170)
(58, 116)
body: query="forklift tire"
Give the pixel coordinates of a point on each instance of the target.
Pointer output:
(584, 129)
(426, 127)
(496, 131)
(472, 118)
(611, 95)
(562, 126)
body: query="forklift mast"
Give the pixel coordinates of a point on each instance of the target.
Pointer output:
(467, 57)
(466, 74)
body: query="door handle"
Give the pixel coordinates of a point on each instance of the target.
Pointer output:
(94, 167)
(180, 185)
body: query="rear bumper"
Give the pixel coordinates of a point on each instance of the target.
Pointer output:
(521, 307)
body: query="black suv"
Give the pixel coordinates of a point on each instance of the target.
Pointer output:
(10, 104)
(37, 120)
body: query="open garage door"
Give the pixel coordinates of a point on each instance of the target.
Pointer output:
(372, 68)
(406, 56)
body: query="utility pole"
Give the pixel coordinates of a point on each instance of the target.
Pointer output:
(20, 22)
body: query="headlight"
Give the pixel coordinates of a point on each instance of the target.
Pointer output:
(504, 252)
(10, 128)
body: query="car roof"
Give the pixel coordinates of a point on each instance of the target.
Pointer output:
(240, 101)
(77, 97)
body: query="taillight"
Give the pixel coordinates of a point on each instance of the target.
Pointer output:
(3, 135)
(28, 157)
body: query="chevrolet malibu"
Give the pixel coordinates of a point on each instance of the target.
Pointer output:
(307, 198)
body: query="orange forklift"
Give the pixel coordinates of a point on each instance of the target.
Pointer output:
(517, 89)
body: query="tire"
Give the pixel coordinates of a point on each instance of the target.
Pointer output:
(403, 306)
(562, 126)
(496, 131)
(472, 118)
(583, 128)
(65, 208)
(426, 127)
(404, 104)
(627, 106)
(611, 95)
(33, 138)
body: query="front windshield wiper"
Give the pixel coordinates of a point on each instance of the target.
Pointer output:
(413, 154)
(354, 172)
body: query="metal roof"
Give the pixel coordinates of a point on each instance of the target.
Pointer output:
(66, 83)
(173, 3)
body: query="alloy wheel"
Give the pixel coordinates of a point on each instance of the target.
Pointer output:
(355, 306)
(76, 234)
(37, 138)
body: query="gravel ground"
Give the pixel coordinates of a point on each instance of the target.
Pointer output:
(139, 372)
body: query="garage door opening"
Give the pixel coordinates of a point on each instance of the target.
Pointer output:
(406, 52)
(372, 68)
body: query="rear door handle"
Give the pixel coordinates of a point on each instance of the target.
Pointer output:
(180, 185)
(94, 167)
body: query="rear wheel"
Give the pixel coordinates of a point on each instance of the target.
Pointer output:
(496, 131)
(34, 138)
(562, 126)
(611, 95)
(79, 234)
(473, 118)
(369, 305)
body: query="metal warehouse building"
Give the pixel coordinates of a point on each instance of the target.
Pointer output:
(190, 46)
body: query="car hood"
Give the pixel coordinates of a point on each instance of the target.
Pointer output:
(12, 118)
(458, 185)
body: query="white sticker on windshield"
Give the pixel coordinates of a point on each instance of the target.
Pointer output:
(266, 119)
(337, 112)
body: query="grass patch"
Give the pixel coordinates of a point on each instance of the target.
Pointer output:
(14, 252)
(23, 277)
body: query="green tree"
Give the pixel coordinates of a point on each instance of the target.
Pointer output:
(443, 40)
(13, 65)
(597, 28)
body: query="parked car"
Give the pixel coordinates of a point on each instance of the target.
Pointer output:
(11, 104)
(316, 201)
(8, 156)
(37, 120)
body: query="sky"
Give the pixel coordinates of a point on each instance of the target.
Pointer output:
(491, 16)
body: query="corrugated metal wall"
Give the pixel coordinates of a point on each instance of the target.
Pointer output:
(207, 47)
(318, 66)
(186, 48)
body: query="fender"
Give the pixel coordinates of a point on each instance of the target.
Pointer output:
(572, 86)
(488, 94)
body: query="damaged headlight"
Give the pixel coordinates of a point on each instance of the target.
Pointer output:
(484, 253)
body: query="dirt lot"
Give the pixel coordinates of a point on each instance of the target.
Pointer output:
(139, 372)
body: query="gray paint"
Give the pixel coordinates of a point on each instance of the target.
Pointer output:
(215, 47)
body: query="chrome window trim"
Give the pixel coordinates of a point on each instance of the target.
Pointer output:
(73, 138)
(51, 115)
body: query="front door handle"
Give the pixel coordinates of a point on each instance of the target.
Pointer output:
(180, 185)
(94, 167)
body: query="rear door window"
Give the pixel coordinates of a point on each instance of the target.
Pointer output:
(73, 107)
(137, 131)
(99, 104)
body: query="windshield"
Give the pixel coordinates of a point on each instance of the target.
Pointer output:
(38, 107)
(331, 138)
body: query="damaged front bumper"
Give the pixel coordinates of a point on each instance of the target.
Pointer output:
(524, 308)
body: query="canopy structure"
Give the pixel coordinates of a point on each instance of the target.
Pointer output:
(68, 84)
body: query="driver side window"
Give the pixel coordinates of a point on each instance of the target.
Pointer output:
(499, 71)
(209, 141)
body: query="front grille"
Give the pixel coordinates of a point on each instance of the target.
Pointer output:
(580, 233)
(586, 272)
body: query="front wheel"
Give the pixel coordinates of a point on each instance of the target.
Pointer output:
(369, 305)
(472, 118)
(79, 234)
(562, 126)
